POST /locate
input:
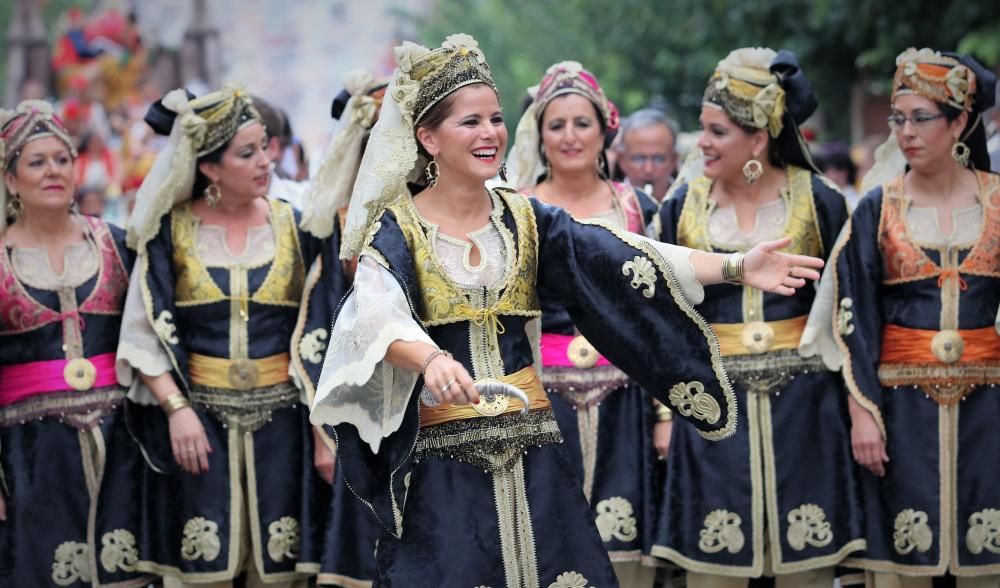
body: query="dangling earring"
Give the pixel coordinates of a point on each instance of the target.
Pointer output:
(14, 207)
(600, 168)
(503, 171)
(752, 171)
(961, 152)
(432, 172)
(212, 195)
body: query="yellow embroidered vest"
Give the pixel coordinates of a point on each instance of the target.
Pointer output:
(194, 285)
(801, 223)
(443, 300)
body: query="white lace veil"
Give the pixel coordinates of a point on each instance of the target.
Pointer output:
(330, 190)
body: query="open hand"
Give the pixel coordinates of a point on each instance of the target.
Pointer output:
(188, 441)
(867, 444)
(781, 273)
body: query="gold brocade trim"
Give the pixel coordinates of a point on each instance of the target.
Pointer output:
(443, 300)
(946, 384)
(238, 374)
(245, 410)
(489, 444)
(616, 520)
(517, 537)
(667, 271)
(194, 284)
(72, 337)
(80, 410)
(770, 372)
(588, 424)
(526, 379)
(801, 222)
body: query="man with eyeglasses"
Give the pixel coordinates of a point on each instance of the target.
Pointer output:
(646, 153)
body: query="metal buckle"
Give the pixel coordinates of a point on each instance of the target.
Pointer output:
(80, 374)
(243, 374)
(581, 353)
(948, 346)
(757, 337)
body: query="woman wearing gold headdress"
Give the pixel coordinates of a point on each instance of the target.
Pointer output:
(605, 419)
(780, 499)
(476, 489)
(62, 287)
(216, 325)
(916, 280)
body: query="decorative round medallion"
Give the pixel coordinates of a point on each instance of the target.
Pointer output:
(491, 404)
(757, 337)
(243, 374)
(80, 374)
(948, 346)
(581, 353)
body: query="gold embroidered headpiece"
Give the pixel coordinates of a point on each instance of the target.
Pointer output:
(937, 77)
(746, 89)
(569, 77)
(457, 63)
(32, 120)
(219, 115)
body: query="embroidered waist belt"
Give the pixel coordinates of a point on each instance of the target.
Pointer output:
(906, 345)
(947, 365)
(238, 374)
(569, 351)
(526, 379)
(758, 336)
(23, 380)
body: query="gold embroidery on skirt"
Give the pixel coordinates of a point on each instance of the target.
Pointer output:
(284, 539)
(201, 540)
(570, 580)
(808, 526)
(912, 532)
(71, 563)
(984, 532)
(722, 531)
(615, 520)
(119, 551)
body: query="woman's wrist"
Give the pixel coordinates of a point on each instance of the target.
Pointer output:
(173, 403)
(431, 356)
(732, 268)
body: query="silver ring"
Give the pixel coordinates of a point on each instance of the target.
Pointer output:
(192, 450)
(448, 385)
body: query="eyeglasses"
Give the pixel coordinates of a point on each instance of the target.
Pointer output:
(920, 120)
(638, 159)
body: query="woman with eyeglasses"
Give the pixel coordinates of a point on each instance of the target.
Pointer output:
(781, 498)
(915, 281)
(605, 418)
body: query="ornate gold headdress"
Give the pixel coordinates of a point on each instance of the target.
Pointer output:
(423, 78)
(199, 127)
(746, 89)
(30, 121)
(937, 77)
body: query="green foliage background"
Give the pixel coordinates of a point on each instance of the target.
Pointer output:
(666, 49)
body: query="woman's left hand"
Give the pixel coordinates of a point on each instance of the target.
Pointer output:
(781, 273)
(323, 457)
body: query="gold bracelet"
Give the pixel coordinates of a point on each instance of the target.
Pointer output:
(663, 414)
(732, 268)
(173, 403)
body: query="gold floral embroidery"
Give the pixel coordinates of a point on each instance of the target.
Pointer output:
(311, 345)
(193, 283)
(808, 526)
(912, 532)
(569, 580)
(287, 275)
(984, 532)
(71, 563)
(699, 404)
(722, 531)
(164, 329)
(615, 520)
(119, 551)
(201, 540)
(284, 539)
(643, 274)
(845, 316)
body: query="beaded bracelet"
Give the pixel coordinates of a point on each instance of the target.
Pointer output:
(173, 403)
(431, 357)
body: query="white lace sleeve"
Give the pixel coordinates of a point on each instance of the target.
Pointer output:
(138, 346)
(818, 338)
(357, 385)
(679, 258)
